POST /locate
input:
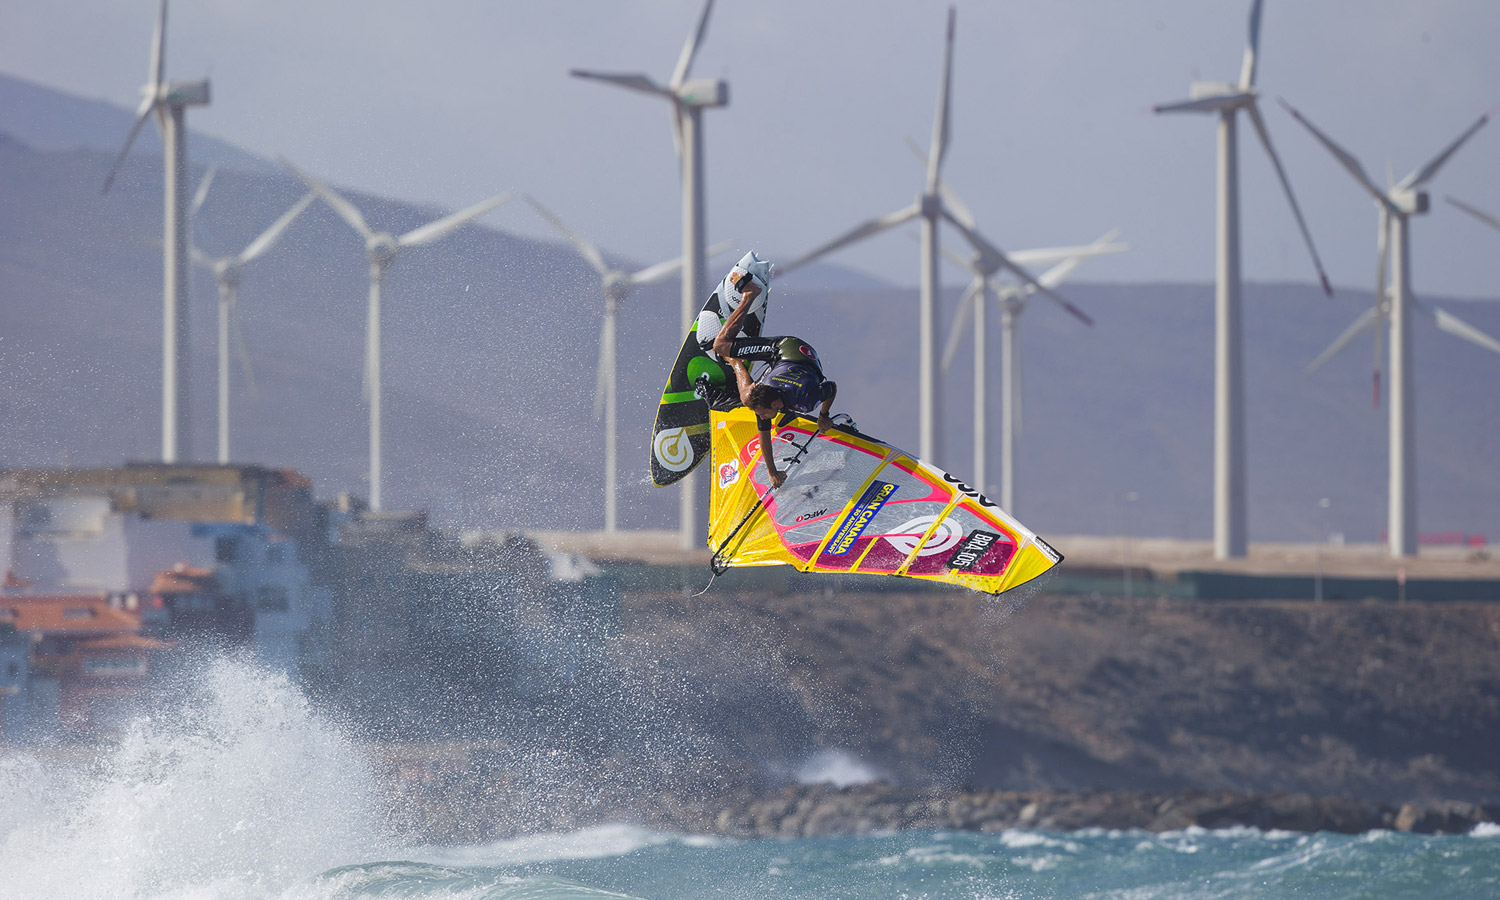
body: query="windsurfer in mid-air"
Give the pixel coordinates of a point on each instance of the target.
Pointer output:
(793, 379)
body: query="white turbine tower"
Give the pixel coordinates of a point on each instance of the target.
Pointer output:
(1012, 298)
(168, 100)
(931, 206)
(227, 272)
(688, 99)
(1227, 100)
(617, 285)
(381, 248)
(1397, 205)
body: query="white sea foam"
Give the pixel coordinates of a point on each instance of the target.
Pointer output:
(1486, 830)
(1019, 839)
(239, 791)
(598, 842)
(837, 767)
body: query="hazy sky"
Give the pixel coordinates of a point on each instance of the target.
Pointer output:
(450, 101)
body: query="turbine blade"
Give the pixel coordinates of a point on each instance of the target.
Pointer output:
(346, 210)
(952, 201)
(677, 141)
(632, 82)
(858, 233)
(202, 193)
(979, 243)
(1202, 104)
(587, 250)
(1015, 346)
(917, 151)
(1421, 176)
(432, 231)
(199, 257)
(242, 348)
(147, 105)
(1459, 328)
(940, 128)
(601, 376)
(1286, 187)
(1364, 320)
(656, 272)
(967, 263)
(1047, 256)
(1382, 300)
(158, 67)
(960, 323)
(1345, 159)
(273, 234)
(367, 380)
(973, 294)
(663, 269)
(1059, 273)
(1479, 214)
(690, 48)
(1252, 49)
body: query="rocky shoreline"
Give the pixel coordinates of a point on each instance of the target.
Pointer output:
(821, 811)
(460, 809)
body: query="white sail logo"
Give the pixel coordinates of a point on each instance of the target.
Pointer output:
(673, 449)
(906, 536)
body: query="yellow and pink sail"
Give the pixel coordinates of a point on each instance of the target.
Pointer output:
(854, 504)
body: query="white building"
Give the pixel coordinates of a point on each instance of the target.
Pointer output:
(116, 530)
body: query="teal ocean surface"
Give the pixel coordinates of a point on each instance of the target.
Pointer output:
(962, 866)
(245, 793)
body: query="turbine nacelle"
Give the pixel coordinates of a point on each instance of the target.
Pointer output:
(1409, 201)
(181, 93)
(617, 285)
(704, 93)
(228, 271)
(1205, 90)
(381, 248)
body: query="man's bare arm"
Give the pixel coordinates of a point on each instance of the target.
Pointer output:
(742, 380)
(767, 454)
(723, 343)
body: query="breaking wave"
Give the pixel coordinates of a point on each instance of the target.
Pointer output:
(238, 790)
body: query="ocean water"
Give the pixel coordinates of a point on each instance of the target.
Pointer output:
(244, 791)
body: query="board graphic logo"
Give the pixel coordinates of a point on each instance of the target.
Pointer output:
(859, 517)
(729, 473)
(672, 449)
(906, 536)
(972, 550)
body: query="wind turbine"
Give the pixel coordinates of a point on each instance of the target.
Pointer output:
(931, 207)
(617, 285)
(381, 248)
(227, 272)
(1227, 99)
(688, 99)
(1397, 205)
(169, 100)
(1012, 298)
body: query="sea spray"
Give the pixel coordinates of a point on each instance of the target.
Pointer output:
(238, 789)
